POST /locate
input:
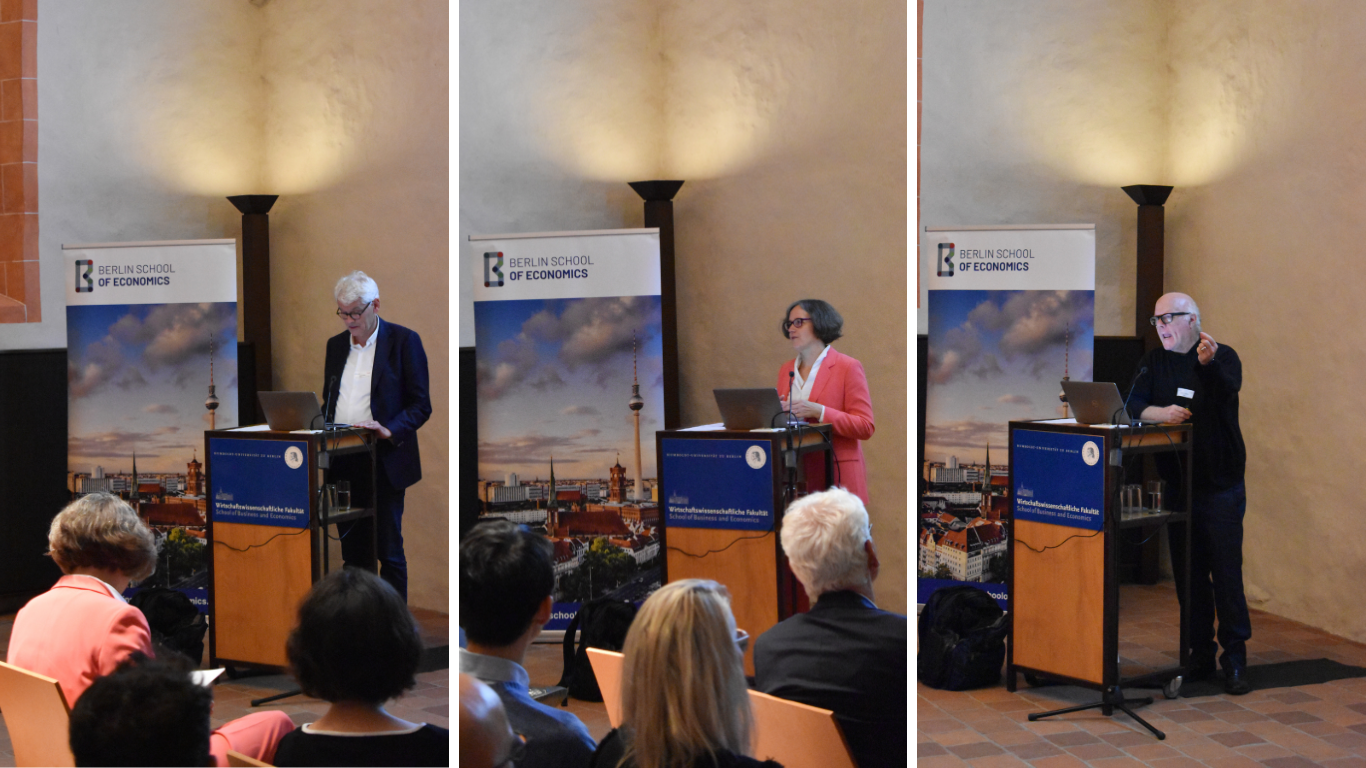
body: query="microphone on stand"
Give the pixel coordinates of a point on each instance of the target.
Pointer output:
(1125, 408)
(791, 377)
(327, 403)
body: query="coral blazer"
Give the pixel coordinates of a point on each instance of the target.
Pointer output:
(842, 388)
(77, 633)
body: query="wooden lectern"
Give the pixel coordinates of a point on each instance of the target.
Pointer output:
(748, 560)
(268, 520)
(1064, 575)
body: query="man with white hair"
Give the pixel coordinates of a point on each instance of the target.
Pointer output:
(845, 654)
(1194, 378)
(376, 379)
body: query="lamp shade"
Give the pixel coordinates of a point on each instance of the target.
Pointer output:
(1148, 194)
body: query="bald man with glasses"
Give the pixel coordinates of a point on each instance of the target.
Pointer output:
(1195, 379)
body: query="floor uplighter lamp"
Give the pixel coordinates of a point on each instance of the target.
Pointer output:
(1151, 254)
(255, 211)
(659, 212)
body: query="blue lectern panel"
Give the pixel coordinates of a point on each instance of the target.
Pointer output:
(717, 484)
(261, 482)
(1059, 478)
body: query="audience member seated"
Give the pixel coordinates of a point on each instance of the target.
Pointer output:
(357, 646)
(486, 739)
(684, 703)
(845, 655)
(82, 628)
(506, 576)
(148, 712)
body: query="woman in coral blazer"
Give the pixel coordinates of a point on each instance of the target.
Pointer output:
(827, 387)
(81, 629)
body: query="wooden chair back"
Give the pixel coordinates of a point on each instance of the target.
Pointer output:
(797, 735)
(239, 760)
(607, 666)
(36, 716)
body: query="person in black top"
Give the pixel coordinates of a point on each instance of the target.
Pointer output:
(356, 646)
(1194, 378)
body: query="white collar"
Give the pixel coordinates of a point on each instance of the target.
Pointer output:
(107, 586)
(369, 342)
(308, 728)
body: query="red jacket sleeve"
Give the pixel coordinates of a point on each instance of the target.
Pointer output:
(854, 416)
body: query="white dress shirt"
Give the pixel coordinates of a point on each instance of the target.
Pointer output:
(353, 394)
(801, 388)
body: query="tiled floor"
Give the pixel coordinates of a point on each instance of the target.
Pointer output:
(545, 664)
(1280, 728)
(428, 702)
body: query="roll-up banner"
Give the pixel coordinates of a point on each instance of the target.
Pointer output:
(569, 351)
(1011, 314)
(152, 363)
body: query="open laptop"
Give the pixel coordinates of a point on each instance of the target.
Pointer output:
(1097, 402)
(750, 408)
(289, 411)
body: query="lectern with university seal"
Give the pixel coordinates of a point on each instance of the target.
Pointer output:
(269, 533)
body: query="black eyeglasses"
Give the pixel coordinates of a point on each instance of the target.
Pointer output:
(354, 315)
(1167, 318)
(798, 323)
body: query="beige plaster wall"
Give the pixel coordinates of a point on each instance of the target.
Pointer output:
(787, 121)
(1037, 113)
(1265, 230)
(1252, 111)
(356, 143)
(150, 116)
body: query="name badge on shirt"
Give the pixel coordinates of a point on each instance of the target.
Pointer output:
(1186, 393)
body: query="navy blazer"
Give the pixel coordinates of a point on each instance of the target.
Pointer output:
(848, 656)
(398, 395)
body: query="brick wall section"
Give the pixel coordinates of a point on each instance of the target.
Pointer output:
(19, 295)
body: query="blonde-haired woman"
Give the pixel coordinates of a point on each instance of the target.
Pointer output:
(684, 701)
(82, 629)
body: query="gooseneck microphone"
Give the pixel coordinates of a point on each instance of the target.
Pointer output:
(327, 404)
(1125, 408)
(791, 377)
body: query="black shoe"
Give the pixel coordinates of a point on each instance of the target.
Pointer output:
(1235, 681)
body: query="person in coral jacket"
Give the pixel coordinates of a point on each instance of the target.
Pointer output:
(827, 387)
(81, 629)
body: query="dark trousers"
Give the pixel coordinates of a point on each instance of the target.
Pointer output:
(356, 538)
(1216, 589)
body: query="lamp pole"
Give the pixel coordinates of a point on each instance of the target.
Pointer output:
(1151, 259)
(255, 211)
(659, 212)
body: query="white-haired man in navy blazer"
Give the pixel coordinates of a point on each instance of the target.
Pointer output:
(376, 376)
(845, 654)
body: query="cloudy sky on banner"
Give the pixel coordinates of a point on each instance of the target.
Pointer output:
(554, 378)
(997, 356)
(138, 377)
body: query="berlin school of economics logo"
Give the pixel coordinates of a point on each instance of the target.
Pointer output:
(84, 268)
(493, 275)
(946, 259)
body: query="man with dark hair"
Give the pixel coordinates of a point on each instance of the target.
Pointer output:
(506, 576)
(147, 712)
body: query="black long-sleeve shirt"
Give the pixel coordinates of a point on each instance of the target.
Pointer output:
(1220, 457)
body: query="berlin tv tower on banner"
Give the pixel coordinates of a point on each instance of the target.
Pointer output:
(637, 402)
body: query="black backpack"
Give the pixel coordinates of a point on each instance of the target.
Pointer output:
(962, 639)
(175, 621)
(602, 623)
